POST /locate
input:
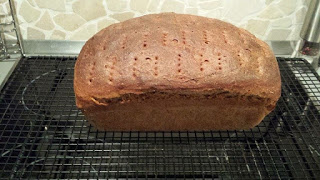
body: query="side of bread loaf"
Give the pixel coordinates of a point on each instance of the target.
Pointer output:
(175, 72)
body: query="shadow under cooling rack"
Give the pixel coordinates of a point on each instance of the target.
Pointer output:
(43, 134)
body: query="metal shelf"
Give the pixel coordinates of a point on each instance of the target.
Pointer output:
(43, 135)
(10, 38)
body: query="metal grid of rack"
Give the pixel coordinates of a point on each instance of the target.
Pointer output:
(43, 134)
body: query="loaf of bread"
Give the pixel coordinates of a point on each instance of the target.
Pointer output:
(174, 72)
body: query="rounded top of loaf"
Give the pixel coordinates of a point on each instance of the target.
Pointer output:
(175, 52)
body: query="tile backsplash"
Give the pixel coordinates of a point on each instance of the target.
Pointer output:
(80, 19)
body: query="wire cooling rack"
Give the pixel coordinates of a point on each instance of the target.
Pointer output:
(43, 135)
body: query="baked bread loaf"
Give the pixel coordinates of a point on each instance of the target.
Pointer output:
(174, 72)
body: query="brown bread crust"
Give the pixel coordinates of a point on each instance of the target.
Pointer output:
(175, 72)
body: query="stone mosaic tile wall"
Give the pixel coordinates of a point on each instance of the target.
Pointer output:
(80, 19)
